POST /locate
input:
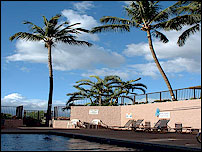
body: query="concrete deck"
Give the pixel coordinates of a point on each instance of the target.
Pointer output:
(141, 140)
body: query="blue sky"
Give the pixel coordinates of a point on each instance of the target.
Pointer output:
(24, 69)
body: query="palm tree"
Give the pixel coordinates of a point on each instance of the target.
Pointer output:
(146, 16)
(81, 94)
(189, 13)
(98, 88)
(52, 33)
(103, 91)
(125, 88)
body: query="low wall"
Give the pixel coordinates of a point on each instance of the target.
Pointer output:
(13, 123)
(187, 112)
(62, 124)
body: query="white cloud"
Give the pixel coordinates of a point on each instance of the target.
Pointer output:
(83, 6)
(69, 57)
(170, 49)
(87, 22)
(148, 69)
(127, 2)
(14, 96)
(16, 99)
(172, 57)
(66, 57)
(106, 71)
(170, 67)
(29, 51)
(125, 73)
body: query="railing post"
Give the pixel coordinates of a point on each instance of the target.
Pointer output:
(55, 112)
(38, 115)
(19, 110)
(194, 93)
(122, 102)
(176, 95)
(134, 101)
(146, 98)
(160, 96)
(24, 113)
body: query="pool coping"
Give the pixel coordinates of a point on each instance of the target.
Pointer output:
(146, 146)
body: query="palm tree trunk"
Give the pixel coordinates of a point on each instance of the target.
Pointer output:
(111, 100)
(159, 66)
(100, 100)
(48, 117)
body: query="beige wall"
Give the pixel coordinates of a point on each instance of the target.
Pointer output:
(62, 124)
(187, 112)
(110, 115)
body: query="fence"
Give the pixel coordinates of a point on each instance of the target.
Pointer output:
(35, 114)
(162, 96)
(12, 111)
(60, 113)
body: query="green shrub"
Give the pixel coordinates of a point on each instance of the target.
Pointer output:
(6, 116)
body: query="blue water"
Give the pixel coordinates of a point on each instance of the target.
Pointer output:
(45, 142)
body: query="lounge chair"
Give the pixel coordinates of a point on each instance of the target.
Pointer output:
(161, 126)
(179, 128)
(127, 126)
(100, 124)
(137, 124)
(147, 126)
(77, 123)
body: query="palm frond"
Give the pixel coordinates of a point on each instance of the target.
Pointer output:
(160, 36)
(138, 88)
(26, 36)
(130, 81)
(54, 20)
(35, 27)
(68, 29)
(183, 37)
(59, 26)
(178, 22)
(115, 20)
(82, 30)
(84, 80)
(45, 21)
(85, 83)
(97, 77)
(70, 40)
(114, 27)
(164, 14)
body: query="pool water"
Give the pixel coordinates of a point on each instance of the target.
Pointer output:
(46, 142)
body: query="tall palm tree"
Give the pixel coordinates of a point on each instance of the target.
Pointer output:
(52, 33)
(146, 16)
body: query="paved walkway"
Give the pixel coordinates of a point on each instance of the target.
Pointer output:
(183, 142)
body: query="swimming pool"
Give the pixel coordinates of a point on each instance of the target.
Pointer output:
(47, 142)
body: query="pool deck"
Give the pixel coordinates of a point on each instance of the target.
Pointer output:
(161, 142)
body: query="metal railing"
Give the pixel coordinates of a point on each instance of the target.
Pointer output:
(35, 114)
(60, 113)
(12, 111)
(161, 96)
